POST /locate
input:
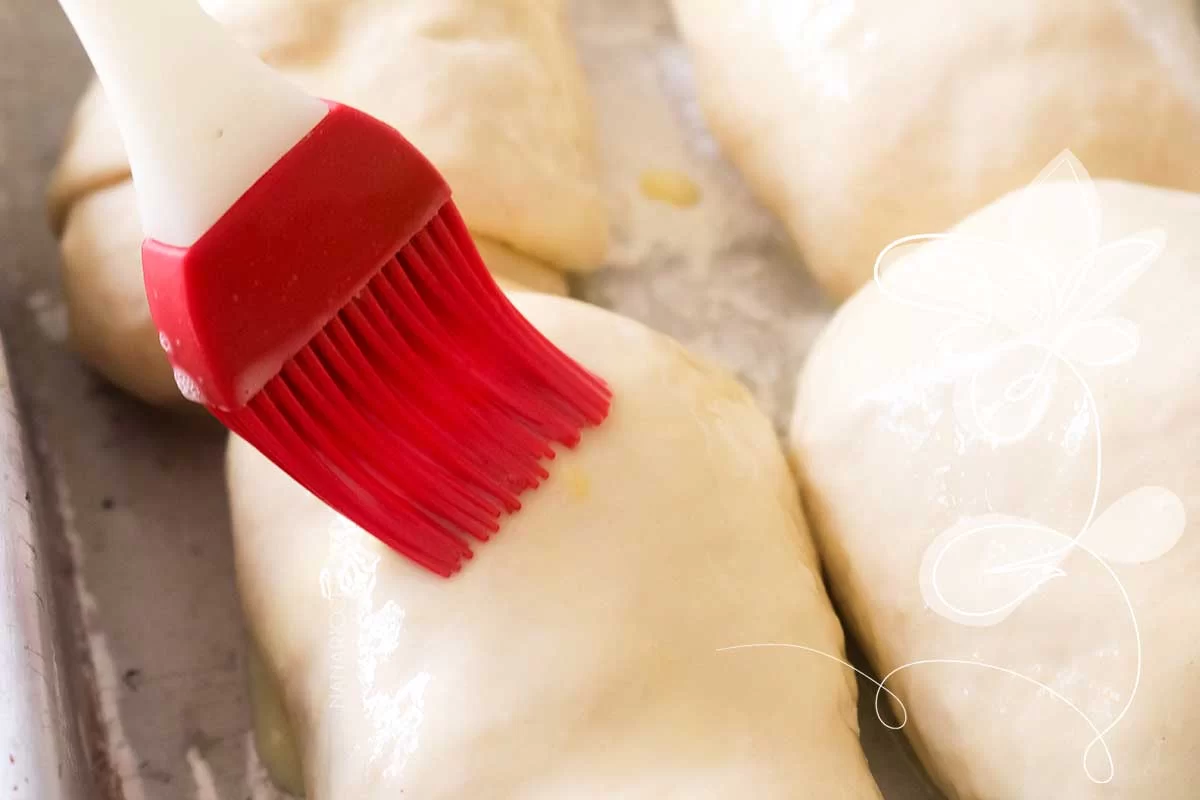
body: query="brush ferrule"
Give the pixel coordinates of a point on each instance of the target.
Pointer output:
(293, 250)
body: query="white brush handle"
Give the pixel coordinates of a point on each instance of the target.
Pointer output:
(201, 118)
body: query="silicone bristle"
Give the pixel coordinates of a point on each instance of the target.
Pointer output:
(427, 405)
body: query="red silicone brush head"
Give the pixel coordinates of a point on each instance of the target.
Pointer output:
(339, 318)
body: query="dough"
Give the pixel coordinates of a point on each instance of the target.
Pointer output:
(577, 655)
(859, 123)
(273, 738)
(490, 90)
(947, 464)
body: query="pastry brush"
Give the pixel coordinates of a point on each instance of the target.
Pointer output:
(316, 289)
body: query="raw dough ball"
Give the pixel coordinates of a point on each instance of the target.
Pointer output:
(576, 656)
(947, 460)
(859, 123)
(109, 318)
(490, 90)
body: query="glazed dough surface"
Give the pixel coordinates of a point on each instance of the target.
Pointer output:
(490, 90)
(576, 656)
(858, 123)
(898, 464)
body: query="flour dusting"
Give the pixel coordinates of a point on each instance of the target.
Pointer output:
(125, 761)
(50, 314)
(202, 776)
(720, 274)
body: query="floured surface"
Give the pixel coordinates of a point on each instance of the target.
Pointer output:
(718, 275)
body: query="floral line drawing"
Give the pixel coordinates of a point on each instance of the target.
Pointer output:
(1023, 312)
(881, 688)
(1028, 310)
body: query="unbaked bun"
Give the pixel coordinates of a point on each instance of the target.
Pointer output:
(578, 655)
(998, 447)
(858, 123)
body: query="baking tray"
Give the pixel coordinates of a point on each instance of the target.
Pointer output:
(129, 662)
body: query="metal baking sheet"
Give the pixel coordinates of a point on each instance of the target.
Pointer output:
(141, 626)
(41, 749)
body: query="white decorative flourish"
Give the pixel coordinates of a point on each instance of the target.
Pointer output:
(1029, 313)
(1034, 309)
(902, 710)
(1027, 308)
